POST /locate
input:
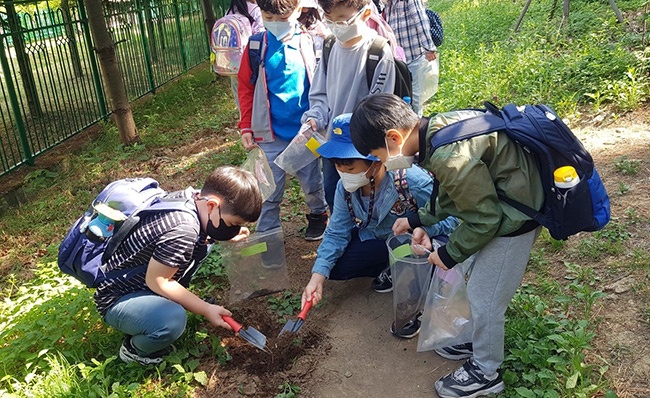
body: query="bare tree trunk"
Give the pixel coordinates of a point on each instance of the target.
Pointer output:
(72, 38)
(113, 80)
(26, 75)
(208, 16)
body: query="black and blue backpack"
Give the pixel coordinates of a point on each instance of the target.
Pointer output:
(540, 132)
(83, 255)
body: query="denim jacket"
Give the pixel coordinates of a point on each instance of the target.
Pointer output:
(339, 228)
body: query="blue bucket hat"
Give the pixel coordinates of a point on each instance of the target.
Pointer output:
(340, 144)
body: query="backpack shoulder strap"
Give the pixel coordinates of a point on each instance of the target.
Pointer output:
(163, 204)
(374, 56)
(256, 47)
(466, 128)
(328, 43)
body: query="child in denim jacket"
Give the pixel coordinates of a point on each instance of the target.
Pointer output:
(367, 203)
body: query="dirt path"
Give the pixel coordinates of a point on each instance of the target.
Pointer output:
(366, 360)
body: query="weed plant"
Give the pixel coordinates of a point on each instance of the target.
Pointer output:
(285, 304)
(547, 337)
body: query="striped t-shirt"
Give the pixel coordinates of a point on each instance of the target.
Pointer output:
(170, 238)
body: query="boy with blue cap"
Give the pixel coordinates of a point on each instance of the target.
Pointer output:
(367, 202)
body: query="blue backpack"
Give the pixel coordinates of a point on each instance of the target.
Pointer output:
(83, 254)
(538, 129)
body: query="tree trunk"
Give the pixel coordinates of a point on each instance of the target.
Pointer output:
(26, 75)
(113, 80)
(72, 38)
(208, 16)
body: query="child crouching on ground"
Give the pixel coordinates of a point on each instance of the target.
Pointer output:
(367, 202)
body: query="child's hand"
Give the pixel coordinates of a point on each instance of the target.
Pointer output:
(421, 238)
(401, 226)
(247, 141)
(214, 314)
(431, 55)
(243, 234)
(314, 289)
(312, 124)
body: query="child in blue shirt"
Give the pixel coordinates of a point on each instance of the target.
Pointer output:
(273, 99)
(367, 202)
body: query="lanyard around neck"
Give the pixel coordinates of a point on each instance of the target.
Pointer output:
(371, 204)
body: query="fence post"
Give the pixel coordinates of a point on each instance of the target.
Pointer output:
(101, 99)
(15, 106)
(181, 43)
(145, 46)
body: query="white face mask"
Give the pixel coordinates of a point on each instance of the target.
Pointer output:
(347, 33)
(352, 182)
(279, 29)
(399, 161)
(348, 30)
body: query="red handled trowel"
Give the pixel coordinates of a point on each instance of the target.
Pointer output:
(295, 325)
(250, 334)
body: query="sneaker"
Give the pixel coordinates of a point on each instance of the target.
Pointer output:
(129, 354)
(468, 381)
(316, 226)
(456, 352)
(384, 282)
(410, 330)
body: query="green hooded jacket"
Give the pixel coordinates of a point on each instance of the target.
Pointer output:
(472, 173)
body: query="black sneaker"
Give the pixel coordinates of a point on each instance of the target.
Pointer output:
(410, 330)
(129, 354)
(384, 282)
(456, 352)
(468, 381)
(316, 226)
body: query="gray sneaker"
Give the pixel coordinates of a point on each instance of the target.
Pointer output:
(129, 354)
(469, 381)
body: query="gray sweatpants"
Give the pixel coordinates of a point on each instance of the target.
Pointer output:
(494, 278)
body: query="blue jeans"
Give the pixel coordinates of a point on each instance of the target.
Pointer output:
(311, 182)
(154, 322)
(361, 259)
(331, 177)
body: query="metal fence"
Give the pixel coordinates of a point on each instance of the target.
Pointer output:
(50, 85)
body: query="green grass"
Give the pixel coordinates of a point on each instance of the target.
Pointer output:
(591, 61)
(55, 344)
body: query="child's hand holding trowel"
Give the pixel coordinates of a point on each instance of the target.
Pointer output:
(314, 290)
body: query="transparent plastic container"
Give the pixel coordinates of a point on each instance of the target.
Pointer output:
(257, 164)
(411, 275)
(257, 266)
(446, 318)
(301, 150)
